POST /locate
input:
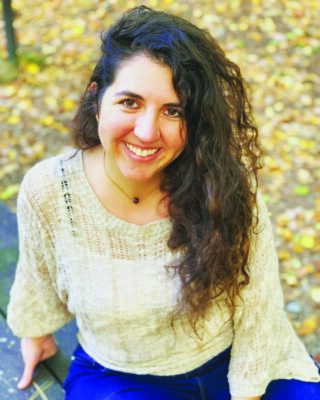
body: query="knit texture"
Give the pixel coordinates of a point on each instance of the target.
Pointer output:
(77, 259)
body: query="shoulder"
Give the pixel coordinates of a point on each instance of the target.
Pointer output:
(262, 256)
(46, 172)
(42, 182)
(262, 215)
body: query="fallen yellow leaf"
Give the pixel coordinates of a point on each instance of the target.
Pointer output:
(315, 294)
(13, 119)
(9, 191)
(308, 242)
(309, 326)
(33, 69)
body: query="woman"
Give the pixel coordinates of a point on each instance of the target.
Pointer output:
(153, 235)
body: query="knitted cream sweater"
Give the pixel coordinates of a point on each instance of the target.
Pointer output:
(77, 259)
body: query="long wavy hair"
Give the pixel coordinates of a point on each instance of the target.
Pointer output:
(211, 187)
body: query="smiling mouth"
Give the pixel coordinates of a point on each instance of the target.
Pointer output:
(141, 152)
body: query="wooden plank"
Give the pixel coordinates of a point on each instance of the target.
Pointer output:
(8, 226)
(7, 270)
(11, 367)
(8, 253)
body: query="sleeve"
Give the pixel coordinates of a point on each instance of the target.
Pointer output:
(265, 345)
(35, 308)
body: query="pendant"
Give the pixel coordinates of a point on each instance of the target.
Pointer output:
(135, 200)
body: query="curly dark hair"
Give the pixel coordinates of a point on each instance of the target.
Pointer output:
(211, 186)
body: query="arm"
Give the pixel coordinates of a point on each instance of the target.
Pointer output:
(259, 317)
(36, 308)
(265, 347)
(35, 350)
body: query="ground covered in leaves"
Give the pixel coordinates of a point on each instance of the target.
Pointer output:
(277, 45)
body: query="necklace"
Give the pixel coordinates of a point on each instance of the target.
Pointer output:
(135, 199)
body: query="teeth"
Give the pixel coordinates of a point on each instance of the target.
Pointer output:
(140, 152)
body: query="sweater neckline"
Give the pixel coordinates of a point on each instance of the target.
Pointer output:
(102, 211)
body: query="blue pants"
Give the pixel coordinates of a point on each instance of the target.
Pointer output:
(89, 380)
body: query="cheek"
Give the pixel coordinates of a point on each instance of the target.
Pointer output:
(114, 127)
(180, 138)
(174, 134)
(183, 134)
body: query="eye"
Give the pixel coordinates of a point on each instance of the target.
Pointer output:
(173, 113)
(129, 103)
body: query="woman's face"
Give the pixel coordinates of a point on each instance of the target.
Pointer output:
(140, 121)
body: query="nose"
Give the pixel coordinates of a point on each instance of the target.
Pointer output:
(147, 127)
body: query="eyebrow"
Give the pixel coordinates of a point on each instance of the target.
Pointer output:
(139, 97)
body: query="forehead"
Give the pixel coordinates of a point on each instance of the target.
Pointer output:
(145, 76)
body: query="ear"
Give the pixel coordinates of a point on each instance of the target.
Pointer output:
(92, 88)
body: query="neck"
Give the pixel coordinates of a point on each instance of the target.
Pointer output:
(135, 194)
